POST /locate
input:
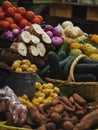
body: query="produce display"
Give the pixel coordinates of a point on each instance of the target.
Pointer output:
(46, 51)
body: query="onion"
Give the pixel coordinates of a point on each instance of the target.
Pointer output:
(15, 32)
(57, 41)
(48, 27)
(57, 31)
(10, 36)
(26, 28)
(50, 34)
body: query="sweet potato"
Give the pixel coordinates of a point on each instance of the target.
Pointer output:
(51, 126)
(56, 117)
(80, 100)
(87, 121)
(74, 120)
(67, 125)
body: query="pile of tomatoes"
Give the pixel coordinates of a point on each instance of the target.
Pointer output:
(12, 17)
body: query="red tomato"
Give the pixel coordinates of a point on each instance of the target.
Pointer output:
(4, 25)
(10, 12)
(40, 17)
(21, 10)
(9, 19)
(23, 22)
(29, 15)
(2, 15)
(14, 26)
(6, 4)
(17, 17)
(36, 20)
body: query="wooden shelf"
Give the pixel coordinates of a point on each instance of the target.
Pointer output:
(74, 10)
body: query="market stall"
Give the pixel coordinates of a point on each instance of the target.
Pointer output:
(48, 74)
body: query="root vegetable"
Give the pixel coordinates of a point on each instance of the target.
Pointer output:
(67, 125)
(57, 32)
(87, 121)
(33, 50)
(57, 41)
(35, 39)
(41, 49)
(42, 127)
(19, 47)
(74, 120)
(79, 99)
(67, 108)
(50, 34)
(36, 30)
(51, 126)
(56, 117)
(45, 38)
(48, 27)
(25, 37)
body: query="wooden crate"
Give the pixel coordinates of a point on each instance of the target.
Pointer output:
(60, 10)
(92, 13)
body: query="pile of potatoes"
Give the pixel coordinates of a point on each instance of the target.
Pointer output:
(23, 65)
(45, 93)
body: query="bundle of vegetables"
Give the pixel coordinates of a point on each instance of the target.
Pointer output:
(72, 33)
(85, 70)
(73, 113)
(12, 17)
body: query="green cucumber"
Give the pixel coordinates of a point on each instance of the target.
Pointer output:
(88, 60)
(45, 70)
(85, 77)
(61, 55)
(86, 68)
(67, 66)
(54, 65)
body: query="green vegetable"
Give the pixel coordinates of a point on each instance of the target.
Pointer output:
(61, 55)
(85, 77)
(54, 66)
(86, 68)
(39, 79)
(88, 61)
(64, 48)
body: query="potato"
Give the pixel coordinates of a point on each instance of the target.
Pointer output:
(26, 61)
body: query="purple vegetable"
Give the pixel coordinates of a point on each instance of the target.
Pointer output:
(57, 31)
(48, 27)
(10, 36)
(57, 41)
(26, 28)
(15, 32)
(50, 34)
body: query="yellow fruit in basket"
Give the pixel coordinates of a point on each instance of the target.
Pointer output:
(75, 52)
(94, 56)
(53, 95)
(18, 69)
(88, 49)
(40, 99)
(75, 45)
(26, 61)
(47, 91)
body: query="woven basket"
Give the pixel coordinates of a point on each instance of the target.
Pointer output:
(88, 90)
